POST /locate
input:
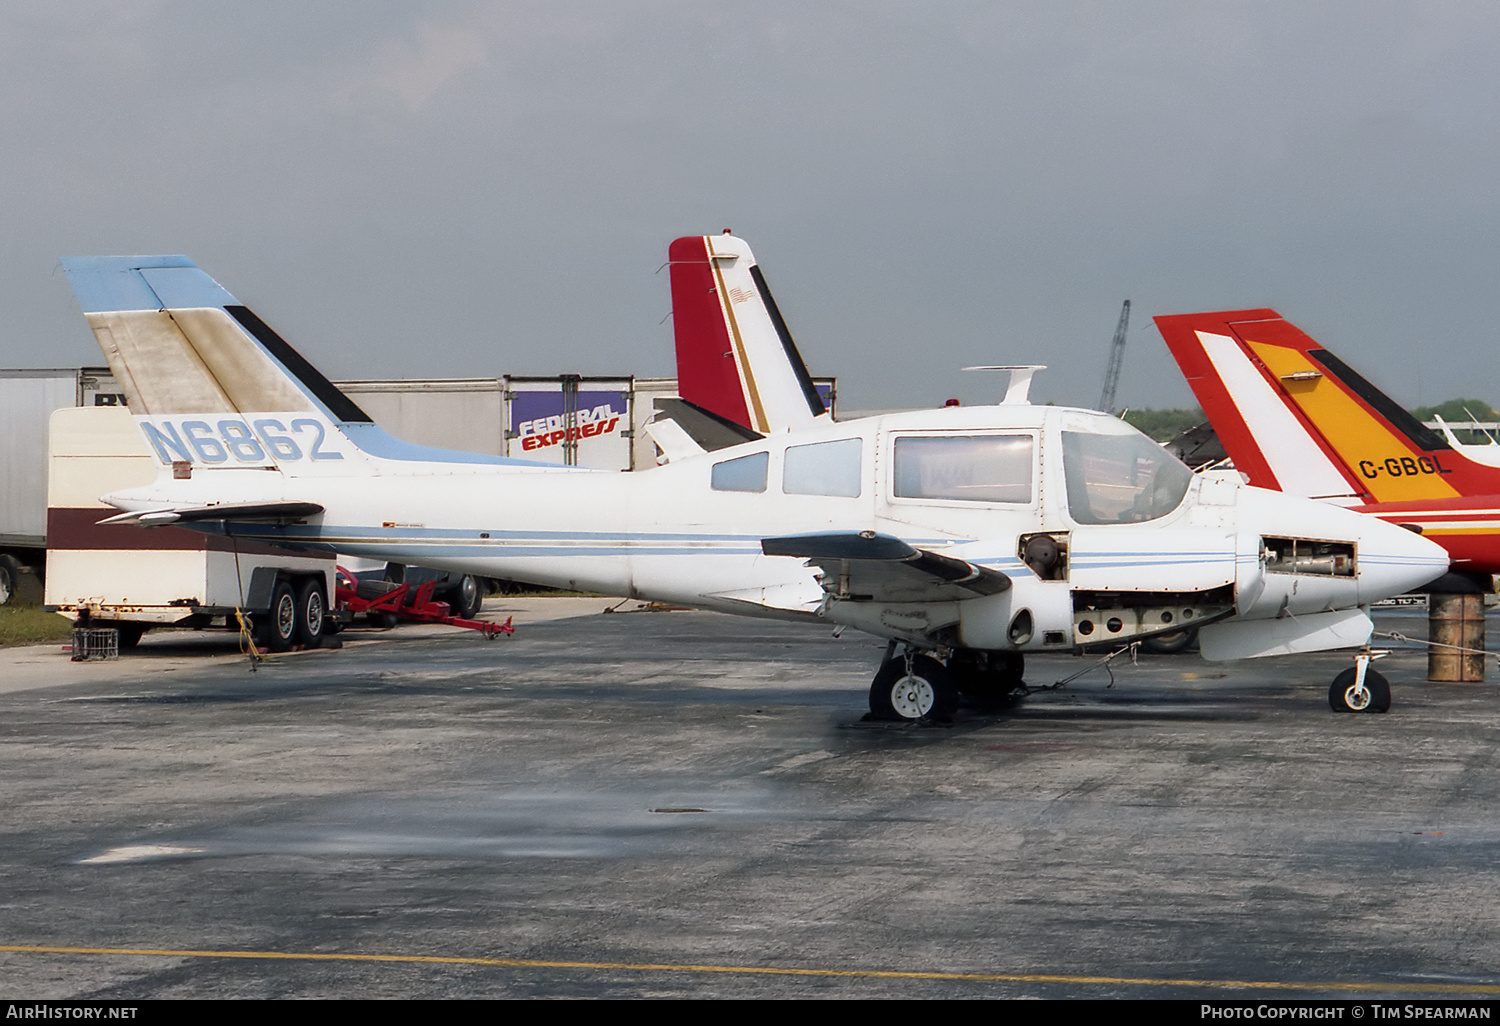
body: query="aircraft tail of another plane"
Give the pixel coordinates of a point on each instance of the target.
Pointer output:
(211, 384)
(735, 357)
(1294, 417)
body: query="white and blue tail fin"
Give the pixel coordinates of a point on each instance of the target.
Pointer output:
(213, 386)
(735, 357)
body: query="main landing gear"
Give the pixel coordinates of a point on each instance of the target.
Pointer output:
(1359, 688)
(911, 686)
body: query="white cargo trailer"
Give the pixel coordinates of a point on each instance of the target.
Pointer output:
(112, 575)
(27, 400)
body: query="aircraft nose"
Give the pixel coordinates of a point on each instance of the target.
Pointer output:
(1394, 561)
(1300, 555)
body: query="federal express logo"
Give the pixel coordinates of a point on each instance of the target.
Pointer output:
(251, 441)
(544, 432)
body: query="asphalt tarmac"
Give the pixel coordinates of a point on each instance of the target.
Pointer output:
(685, 804)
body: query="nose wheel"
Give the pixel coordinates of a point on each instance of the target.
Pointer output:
(912, 687)
(1359, 688)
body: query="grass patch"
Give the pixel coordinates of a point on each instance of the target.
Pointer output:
(31, 625)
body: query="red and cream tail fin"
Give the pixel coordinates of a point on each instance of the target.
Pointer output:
(735, 357)
(1294, 417)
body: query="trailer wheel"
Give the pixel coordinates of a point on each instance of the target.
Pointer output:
(10, 575)
(279, 624)
(312, 611)
(468, 597)
(130, 634)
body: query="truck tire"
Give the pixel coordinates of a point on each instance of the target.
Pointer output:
(312, 612)
(10, 576)
(276, 628)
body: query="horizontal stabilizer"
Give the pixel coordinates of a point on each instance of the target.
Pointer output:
(868, 566)
(260, 512)
(711, 431)
(672, 440)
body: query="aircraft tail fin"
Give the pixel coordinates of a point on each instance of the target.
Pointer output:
(1294, 417)
(735, 357)
(211, 383)
(178, 342)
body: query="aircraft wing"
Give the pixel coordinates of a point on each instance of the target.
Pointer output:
(867, 566)
(257, 511)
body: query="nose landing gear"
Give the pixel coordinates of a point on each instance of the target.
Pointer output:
(1359, 688)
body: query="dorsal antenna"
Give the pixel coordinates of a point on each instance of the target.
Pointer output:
(1017, 392)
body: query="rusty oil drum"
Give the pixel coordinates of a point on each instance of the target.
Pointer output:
(1455, 620)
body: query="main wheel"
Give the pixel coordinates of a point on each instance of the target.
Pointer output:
(279, 626)
(467, 597)
(312, 611)
(927, 692)
(985, 676)
(1170, 644)
(1376, 699)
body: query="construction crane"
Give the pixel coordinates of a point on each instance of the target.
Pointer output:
(1116, 358)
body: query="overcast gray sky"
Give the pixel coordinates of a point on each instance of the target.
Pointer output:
(474, 188)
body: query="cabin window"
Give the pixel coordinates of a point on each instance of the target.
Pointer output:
(1120, 479)
(971, 468)
(825, 468)
(746, 474)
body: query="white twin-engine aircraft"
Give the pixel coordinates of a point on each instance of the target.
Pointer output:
(967, 537)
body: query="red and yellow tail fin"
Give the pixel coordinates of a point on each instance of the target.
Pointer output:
(1295, 417)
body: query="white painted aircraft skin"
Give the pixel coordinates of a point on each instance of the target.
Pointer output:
(667, 534)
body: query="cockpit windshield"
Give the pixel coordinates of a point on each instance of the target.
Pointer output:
(1120, 479)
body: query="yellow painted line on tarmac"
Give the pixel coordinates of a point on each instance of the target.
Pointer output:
(758, 970)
